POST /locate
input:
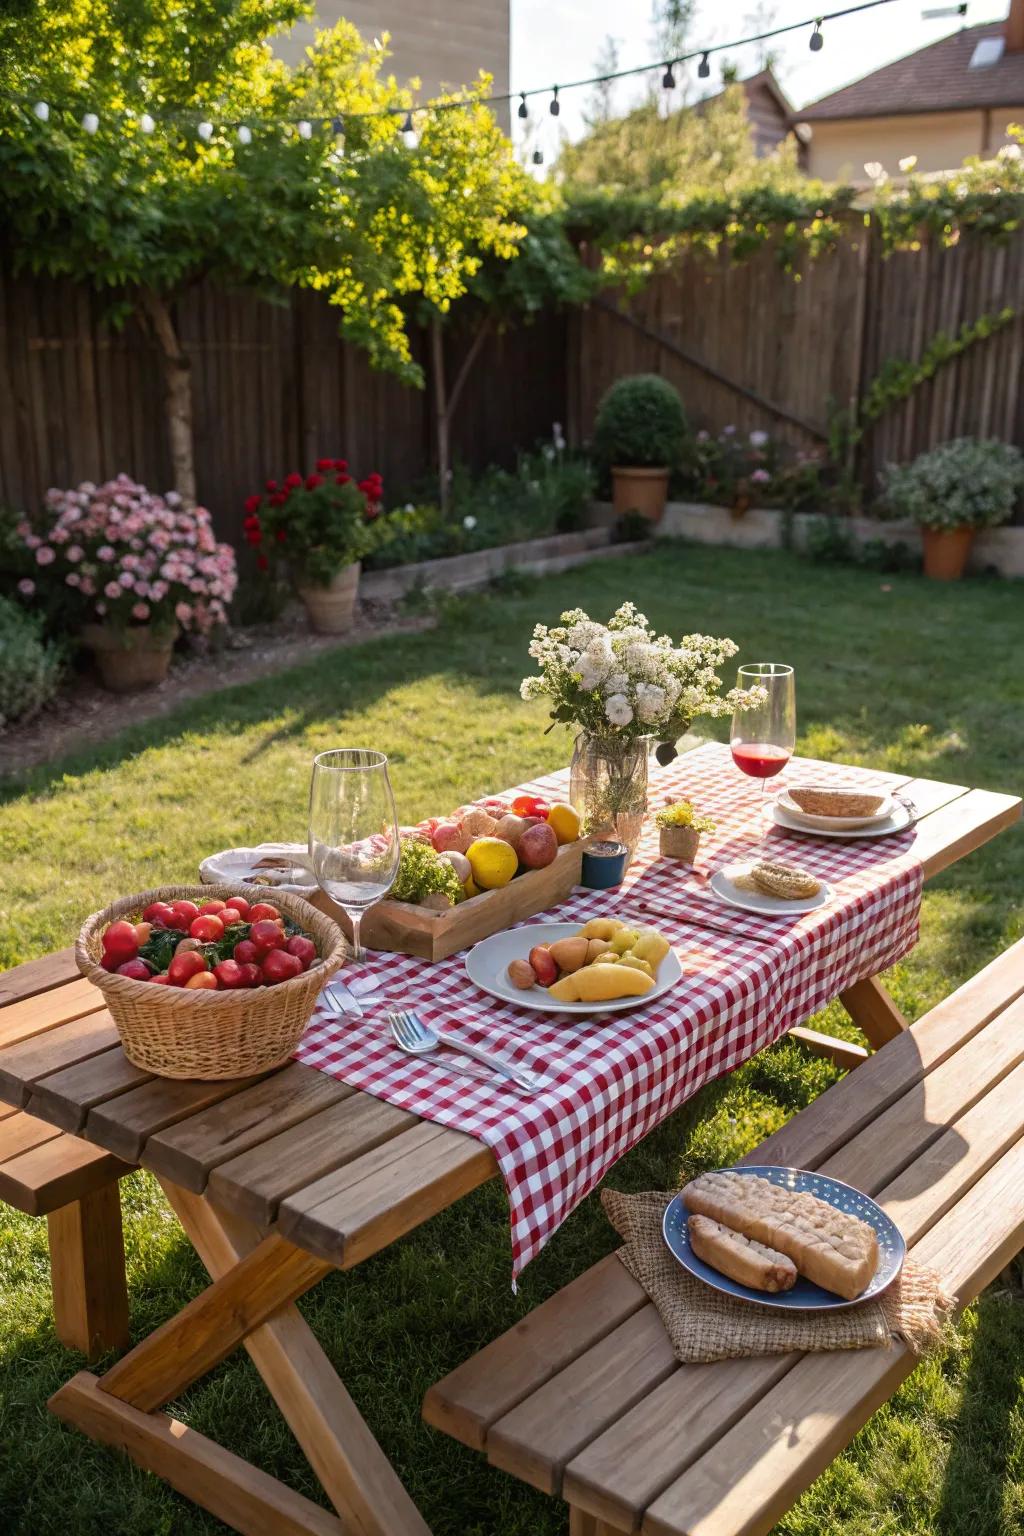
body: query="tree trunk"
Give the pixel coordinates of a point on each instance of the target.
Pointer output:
(444, 404)
(177, 395)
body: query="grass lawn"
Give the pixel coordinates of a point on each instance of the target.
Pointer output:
(892, 672)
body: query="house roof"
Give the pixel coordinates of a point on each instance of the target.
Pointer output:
(938, 78)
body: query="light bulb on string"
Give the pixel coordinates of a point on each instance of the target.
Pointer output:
(538, 157)
(668, 79)
(305, 129)
(816, 42)
(523, 112)
(42, 111)
(554, 108)
(205, 131)
(146, 123)
(337, 126)
(704, 67)
(90, 122)
(244, 134)
(409, 132)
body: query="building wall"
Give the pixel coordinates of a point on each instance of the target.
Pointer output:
(940, 140)
(444, 42)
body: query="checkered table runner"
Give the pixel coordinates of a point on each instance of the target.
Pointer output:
(612, 1078)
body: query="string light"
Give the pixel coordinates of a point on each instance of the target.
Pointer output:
(407, 126)
(538, 157)
(304, 126)
(338, 126)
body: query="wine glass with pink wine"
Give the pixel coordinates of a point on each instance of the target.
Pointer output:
(763, 738)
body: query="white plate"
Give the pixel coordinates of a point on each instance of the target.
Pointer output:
(721, 884)
(233, 866)
(487, 964)
(832, 823)
(899, 821)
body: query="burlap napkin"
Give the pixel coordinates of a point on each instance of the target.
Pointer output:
(705, 1324)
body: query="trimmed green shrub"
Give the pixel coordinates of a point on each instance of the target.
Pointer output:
(640, 424)
(967, 483)
(29, 665)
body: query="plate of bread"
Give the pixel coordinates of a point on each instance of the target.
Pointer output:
(897, 818)
(843, 808)
(769, 887)
(784, 1238)
(600, 966)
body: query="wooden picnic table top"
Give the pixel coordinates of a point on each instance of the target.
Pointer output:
(336, 1171)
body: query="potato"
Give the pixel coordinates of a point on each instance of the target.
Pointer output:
(651, 946)
(595, 947)
(601, 984)
(569, 954)
(633, 963)
(623, 940)
(600, 928)
(522, 974)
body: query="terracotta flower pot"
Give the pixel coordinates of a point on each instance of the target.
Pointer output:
(679, 843)
(946, 551)
(640, 490)
(129, 660)
(331, 609)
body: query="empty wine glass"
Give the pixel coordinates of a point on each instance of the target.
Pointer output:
(763, 738)
(353, 830)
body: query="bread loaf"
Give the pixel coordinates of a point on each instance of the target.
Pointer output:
(741, 1258)
(835, 1250)
(817, 801)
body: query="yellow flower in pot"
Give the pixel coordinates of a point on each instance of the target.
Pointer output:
(681, 828)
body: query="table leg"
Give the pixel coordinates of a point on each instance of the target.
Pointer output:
(90, 1294)
(251, 1274)
(873, 1011)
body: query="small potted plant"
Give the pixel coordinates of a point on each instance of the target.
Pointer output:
(681, 829)
(950, 492)
(638, 436)
(132, 568)
(321, 524)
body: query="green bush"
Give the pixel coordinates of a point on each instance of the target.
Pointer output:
(640, 423)
(967, 483)
(29, 666)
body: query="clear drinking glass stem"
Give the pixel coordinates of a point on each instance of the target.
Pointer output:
(356, 917)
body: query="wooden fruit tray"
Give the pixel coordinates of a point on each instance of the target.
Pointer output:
(409, 930)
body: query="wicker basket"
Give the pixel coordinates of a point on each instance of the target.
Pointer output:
(189, 1033)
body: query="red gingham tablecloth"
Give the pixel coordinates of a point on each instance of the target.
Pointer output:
(612, 1078)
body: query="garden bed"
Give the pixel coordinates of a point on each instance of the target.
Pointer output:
(464, 573)
(996, 549)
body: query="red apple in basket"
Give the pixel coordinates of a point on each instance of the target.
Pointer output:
(279, 965)
(266, 935)
(304, 948)
(538, 846)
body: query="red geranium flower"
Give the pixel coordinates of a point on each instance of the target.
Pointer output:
(254, 536)
(271, 485)
(342, 479)
(280, 535)
(341, 464)
(250, 522)
(325, 463)
(252, 503)
(279, 499)
(293, 482)
(312, 481)
(262, 562)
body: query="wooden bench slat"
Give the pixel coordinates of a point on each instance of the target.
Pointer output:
(66, 1097)
(22, 1064)
(55, 1172)
(125, 1123)
(753, 1473)
(188, 1151)
(607, 1480)
(376, 1199)
(254, 1183)
(954, 831)
(36, 976)
(35, 1015)
(20, 1132)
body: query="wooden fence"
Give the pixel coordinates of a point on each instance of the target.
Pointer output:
(275, 387)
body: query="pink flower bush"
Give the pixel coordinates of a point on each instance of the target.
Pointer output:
(129, 544)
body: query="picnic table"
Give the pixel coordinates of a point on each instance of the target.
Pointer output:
(276, 1181)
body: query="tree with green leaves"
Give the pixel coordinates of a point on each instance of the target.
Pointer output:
(145, 146)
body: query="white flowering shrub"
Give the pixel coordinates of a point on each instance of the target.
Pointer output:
(132, 557)
(621, 679)
(967, 483)
(29, 666)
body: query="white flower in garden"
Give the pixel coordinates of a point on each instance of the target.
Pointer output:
(758, 439)
(618, 709)
(548, 452)
(650, 702)
(1010, 152)
(874, 169)
(469, 521)
(907, 164)
(728, 431)
(616, 682)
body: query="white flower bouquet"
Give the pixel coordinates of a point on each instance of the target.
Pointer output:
(624, 681)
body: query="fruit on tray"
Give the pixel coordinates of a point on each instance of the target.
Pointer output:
(564, 821)
(538, 846)
(618, 961)
(220, 946)
(493, 862)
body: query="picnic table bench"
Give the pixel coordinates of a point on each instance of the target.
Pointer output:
(584, 1398)
(276, 1181)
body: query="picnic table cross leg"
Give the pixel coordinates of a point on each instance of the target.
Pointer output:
(90, 1295)
(873, 1011)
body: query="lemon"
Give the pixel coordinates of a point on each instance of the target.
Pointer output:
(564, 822)
(492, 861)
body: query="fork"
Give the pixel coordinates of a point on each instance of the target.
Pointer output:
(414, 1037)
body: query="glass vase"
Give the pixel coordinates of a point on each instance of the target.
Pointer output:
(608, 786)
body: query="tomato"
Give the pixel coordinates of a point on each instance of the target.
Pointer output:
(142, 933)
(303, 947)
(530, 805)
(179, 921)
(158, 912)
(280, 966)
(262, 909)
(120, 939)
(188, 963)
(206, 929)
(188, 907)
(240, 905)
(138, 970)
(202, 981)
(245, 952)
(111, 962)
(163, 979)
(253, 975)
(213, 906)
(265, 934)
(230, 974)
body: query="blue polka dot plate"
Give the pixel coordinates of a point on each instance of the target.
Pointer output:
(805, 1296)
